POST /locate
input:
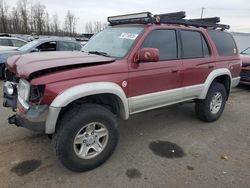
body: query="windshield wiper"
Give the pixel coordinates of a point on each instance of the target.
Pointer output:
(99, 53)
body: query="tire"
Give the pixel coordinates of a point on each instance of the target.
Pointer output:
(205, 109)
(2, 71)
(79, 121)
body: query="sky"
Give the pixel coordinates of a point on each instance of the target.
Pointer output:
(235, 13)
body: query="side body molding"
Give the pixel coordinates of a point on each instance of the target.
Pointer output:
(84, 90)
(214, 74)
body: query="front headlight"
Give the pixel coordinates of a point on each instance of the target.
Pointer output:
(9, 88)
(23, 89)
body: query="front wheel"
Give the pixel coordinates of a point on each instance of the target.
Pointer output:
(87, 135)
(211, 108)
(2, 71)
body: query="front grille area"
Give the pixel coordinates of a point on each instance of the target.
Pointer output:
(245, 76)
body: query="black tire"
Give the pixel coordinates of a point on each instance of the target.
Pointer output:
(202, 107)
(70, 125)
(2, 71)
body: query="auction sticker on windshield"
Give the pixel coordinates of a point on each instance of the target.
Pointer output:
(130, 36)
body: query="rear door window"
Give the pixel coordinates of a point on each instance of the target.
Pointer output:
(47, 46)
(17, 43)
(194, 45)
(5, 42)
(165, 41)
(224, 43)
(66, 46)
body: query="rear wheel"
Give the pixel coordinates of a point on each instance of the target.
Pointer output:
(86, 137)
(211, 108)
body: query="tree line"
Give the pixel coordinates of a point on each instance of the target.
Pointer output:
(27, 18)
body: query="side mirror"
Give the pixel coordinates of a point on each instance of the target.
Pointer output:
(148, 55)
(34, 50)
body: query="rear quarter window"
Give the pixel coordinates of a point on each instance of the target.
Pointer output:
(224, 43)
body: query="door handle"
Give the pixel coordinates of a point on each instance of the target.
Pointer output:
(210, 66)
(175, 70)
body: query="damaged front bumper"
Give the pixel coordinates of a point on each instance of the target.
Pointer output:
(33, 119)
(27, 116)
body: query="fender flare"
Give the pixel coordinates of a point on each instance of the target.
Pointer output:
(214, 74)
(80, 91)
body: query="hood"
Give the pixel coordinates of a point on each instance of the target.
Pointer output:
(25, 65)
(4, 55)
(245, 59)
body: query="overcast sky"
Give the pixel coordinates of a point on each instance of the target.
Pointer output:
(236, 13)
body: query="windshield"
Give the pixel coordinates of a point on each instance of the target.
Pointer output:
(28, 46)
(246, 51)
(115, 42)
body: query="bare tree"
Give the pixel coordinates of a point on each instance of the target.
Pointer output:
(99, 26)
(39, 17)
(47, 23)
(23, 7)
(27, 18)
(89, 27)
(55, 24)
(70, 23)
(15, 21)
(4, 16)
(95, 27)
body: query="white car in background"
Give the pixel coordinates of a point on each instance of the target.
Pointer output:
(11, 43)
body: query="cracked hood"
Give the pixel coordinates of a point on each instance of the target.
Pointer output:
(25, 65)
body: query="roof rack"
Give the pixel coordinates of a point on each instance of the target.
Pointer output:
(137, 18)
(210, 20)
(169, 18)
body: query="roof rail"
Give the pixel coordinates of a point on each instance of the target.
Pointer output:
(169, 18)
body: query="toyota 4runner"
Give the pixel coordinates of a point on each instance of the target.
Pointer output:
(140, 62)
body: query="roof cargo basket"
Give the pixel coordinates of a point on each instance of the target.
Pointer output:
(208, 20)
(137, 18)
(169, 18)
(173, 15)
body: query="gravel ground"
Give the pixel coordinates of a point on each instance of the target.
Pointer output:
(167, 147)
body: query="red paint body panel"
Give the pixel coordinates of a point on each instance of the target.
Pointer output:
(147, 78)
(58, 82)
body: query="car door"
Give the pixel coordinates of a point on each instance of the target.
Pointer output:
(155, 84)
(197, 62)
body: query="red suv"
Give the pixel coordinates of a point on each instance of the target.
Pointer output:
(141, 62)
